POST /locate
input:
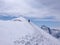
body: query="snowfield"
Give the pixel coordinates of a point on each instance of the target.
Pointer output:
(21, 32)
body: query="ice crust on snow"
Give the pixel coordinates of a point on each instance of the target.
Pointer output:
(20, 32)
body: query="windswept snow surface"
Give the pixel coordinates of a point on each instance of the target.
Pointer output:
(21, 32)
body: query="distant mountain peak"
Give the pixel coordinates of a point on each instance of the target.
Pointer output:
(53, 32)
(19, 19)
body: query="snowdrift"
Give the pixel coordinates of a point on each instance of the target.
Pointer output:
(21, 32)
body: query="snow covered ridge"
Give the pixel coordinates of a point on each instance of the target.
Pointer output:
(21, 32)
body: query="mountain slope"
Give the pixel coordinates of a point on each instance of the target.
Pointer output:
(21, 32)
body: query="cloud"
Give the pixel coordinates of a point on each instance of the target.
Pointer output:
(31, 8)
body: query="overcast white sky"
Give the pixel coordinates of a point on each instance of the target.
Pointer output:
(31, 8)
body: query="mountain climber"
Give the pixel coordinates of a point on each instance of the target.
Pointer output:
(29, 20)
